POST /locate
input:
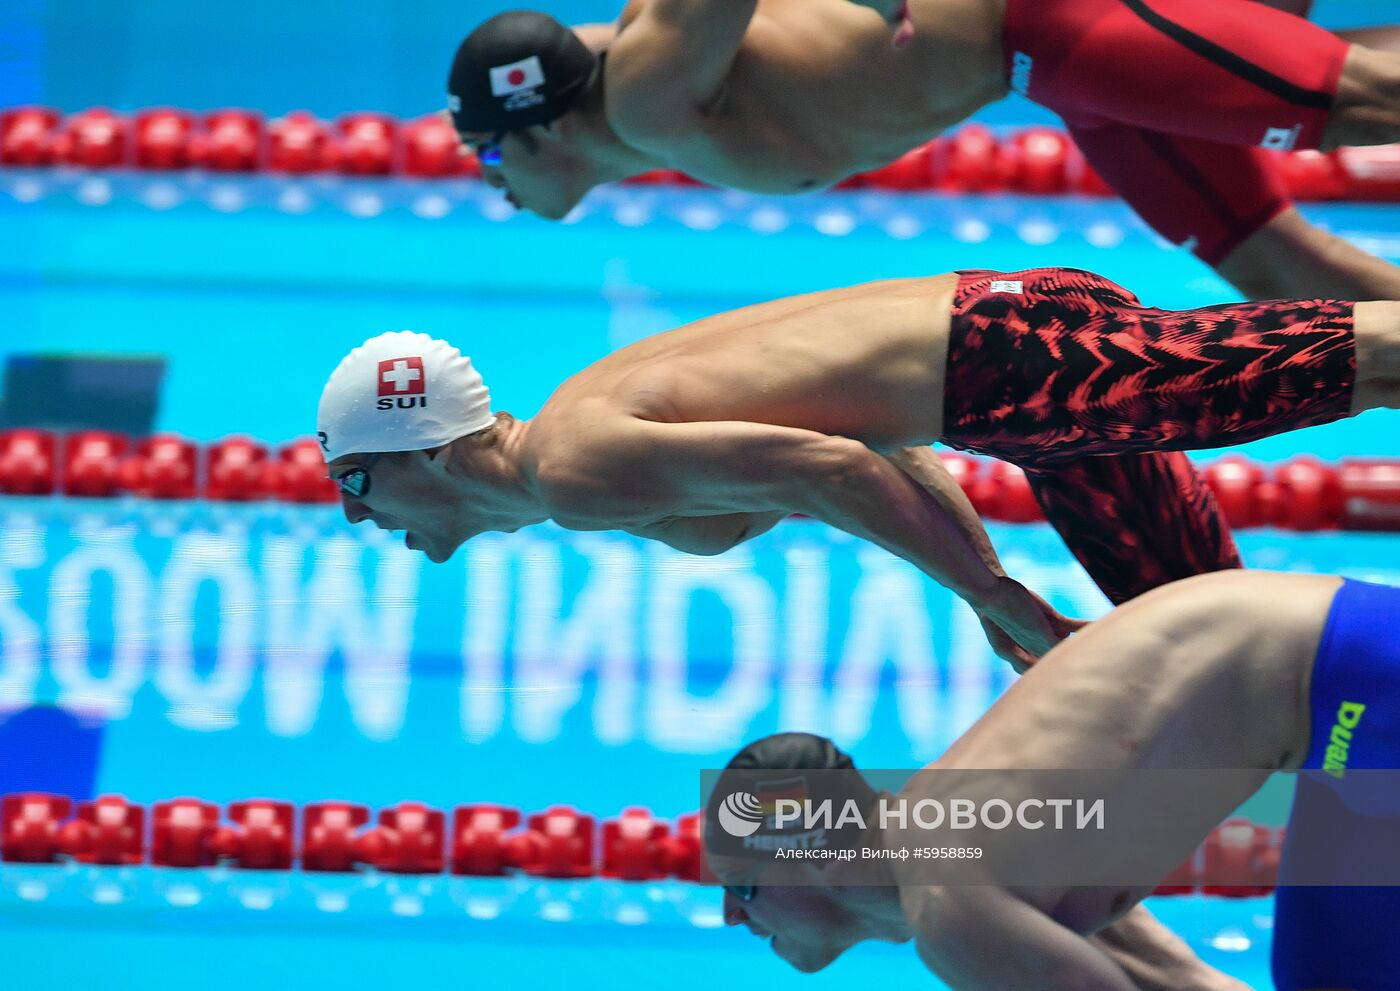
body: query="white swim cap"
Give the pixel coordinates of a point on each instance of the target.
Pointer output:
(400, 391)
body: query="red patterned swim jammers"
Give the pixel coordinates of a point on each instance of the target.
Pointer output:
(1069, 376)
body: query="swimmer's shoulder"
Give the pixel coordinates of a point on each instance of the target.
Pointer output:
(578, 456)
(636, 75)
(660, 83)
(938, 917)
(630, 12)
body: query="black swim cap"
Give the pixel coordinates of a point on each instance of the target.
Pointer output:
(519, 69)
(771, 768)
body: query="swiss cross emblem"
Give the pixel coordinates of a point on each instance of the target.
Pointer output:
(402, 377)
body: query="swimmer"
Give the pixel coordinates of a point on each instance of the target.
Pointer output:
(1240, 673)
(1175, 102)
(825, 404)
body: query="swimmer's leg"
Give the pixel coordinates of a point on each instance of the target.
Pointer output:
(1290, 256)
(1208, 195)
(1366, 108)
(1387, 38)
(1377, 356)
(1136, 521)
(1384, 39)
(1229, 204)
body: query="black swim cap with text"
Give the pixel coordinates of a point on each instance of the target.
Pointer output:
(799, 766)
(519, 69)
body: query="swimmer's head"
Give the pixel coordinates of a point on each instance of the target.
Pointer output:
(812, 923)
(406, 427)
(512, 79)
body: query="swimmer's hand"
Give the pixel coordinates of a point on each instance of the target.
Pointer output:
(896, 12)
(1021, 626)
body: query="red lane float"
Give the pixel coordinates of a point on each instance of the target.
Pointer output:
(27, 465)
(972, 159)
(329, 831)
(229, 141)
(299, 474)
(182, 831)
(93, 139)
(300, 144)
(106, 830)
(1303, 494)
(29, 827)
(92, 463)
(1370, 494)
(408, 840)
(237, 470)
(164, 466)
(479, 839)
(161, 139)
(431, 149)
(27, 136)
(368, 144)
(1239, 859)
(683, 852)
(634, 846)
(555, 843)
(260, 837)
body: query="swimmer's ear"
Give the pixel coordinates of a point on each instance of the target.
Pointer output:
(435, 457)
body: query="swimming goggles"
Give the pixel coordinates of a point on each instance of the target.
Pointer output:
(355, 481)
(488, 152)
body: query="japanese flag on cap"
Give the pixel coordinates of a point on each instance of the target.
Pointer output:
(518, 69)
(401, 391)
(517, 76)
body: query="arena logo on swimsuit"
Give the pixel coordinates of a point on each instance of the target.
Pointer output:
(1339, 749)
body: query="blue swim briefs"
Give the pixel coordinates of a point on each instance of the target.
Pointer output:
(1344, 936)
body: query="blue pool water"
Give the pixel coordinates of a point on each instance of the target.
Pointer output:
(233, 652)
(254, 289)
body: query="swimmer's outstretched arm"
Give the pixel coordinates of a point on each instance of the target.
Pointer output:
(670, 63)
(1156, 959)
(633, 473)
(924, 466)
